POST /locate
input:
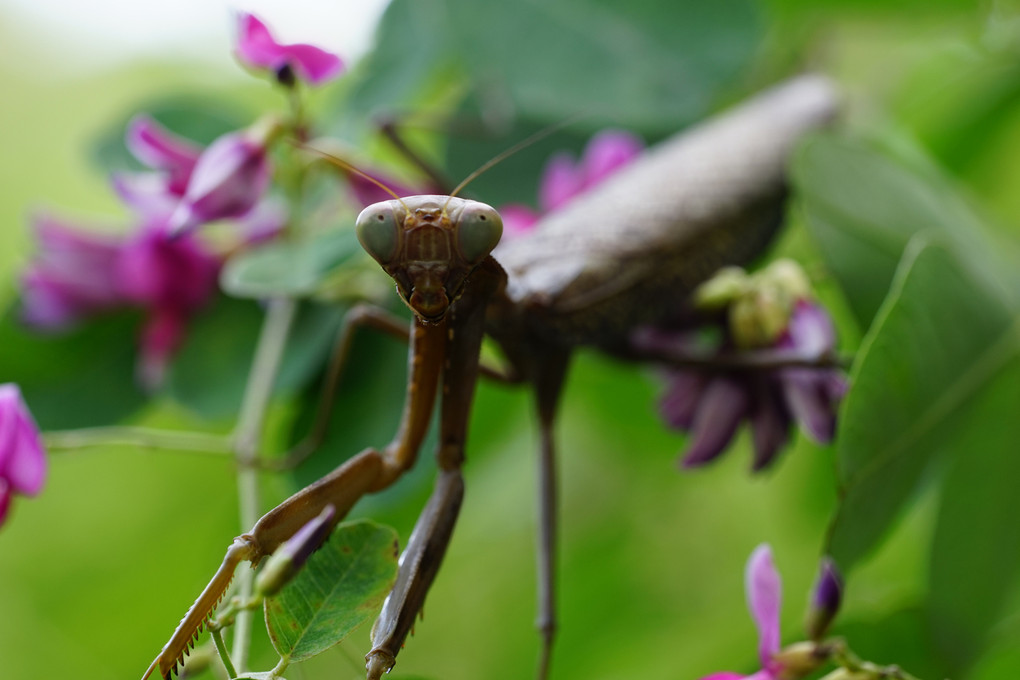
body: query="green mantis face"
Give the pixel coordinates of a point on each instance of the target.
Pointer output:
(429, 245)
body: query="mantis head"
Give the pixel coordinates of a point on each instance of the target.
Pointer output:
(429, 245)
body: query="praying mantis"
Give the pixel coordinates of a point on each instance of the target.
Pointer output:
(624, 255)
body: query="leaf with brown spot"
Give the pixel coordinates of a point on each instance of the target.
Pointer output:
(340, 587)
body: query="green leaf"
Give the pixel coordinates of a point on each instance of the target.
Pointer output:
(340, 587)
(900, 635)
(975, 556)
(643, 64)
(863, 208)
(387, 79)
(84, 377)
(938, 342)
(294, 269)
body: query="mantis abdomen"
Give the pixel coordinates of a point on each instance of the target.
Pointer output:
(627, 253)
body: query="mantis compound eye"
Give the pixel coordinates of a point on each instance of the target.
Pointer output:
(377, 230)
(479, 230)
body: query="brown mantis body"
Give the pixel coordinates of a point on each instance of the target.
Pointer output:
(625, 255)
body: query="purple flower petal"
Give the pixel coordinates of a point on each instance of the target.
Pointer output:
(171, 278)
(679, 403)
(158, 271)
(71, 276)
(770, 426)
(810, 330)
(228, 180)
(834, 386)
(806, 394)
(22, 456)
(517, 219)
(561, 181)
(159, 149)
(764, 591)
(5, 499)
(256, 47)
(826, 596)
(722, 407)
(264, 222)
(161, 337)
(148, 193)
(606, 153)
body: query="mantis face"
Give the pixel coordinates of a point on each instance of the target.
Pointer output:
(429, 245)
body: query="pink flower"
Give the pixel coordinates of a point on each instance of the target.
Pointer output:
(171, 278)
(192, 186)
(173, 159)
(22, 456)
(159, 149)
(712, 406)
(564, 178)
(256, 47)
(72, 276)
(78, 274)
(764, 591)
(764, 594)
(228, 180)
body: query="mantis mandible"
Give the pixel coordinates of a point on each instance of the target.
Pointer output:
(624, 255)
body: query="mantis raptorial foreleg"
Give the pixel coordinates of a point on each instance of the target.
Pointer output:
(369, 471)
(431, 536)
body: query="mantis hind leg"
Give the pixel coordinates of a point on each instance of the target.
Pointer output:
(547, 377)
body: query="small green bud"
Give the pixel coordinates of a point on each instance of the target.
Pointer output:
(789, 277)
(799, 660)
(726, 286)
(265, 130)
(759, 317)
(286, 562)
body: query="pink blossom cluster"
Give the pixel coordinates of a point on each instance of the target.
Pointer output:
(22, 457)
(565, 177)
(159, 266)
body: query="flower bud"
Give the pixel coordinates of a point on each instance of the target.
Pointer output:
(825, 600)
(788, 276)
(286, 562)
(257, 48)
(728, 284)
(22, 456)
(799, 659)
(760, 316)
(229, 178)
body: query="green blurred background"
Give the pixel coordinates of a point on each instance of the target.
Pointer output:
(95, 573)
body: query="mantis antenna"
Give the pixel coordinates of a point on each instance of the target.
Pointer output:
(341, 163)
(519, 146)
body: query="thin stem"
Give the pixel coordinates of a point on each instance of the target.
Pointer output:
(845, 657)
(756, 360)
(265, 366)
(217, 637)
(388, 127)
(141, 437)
(280, 667)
